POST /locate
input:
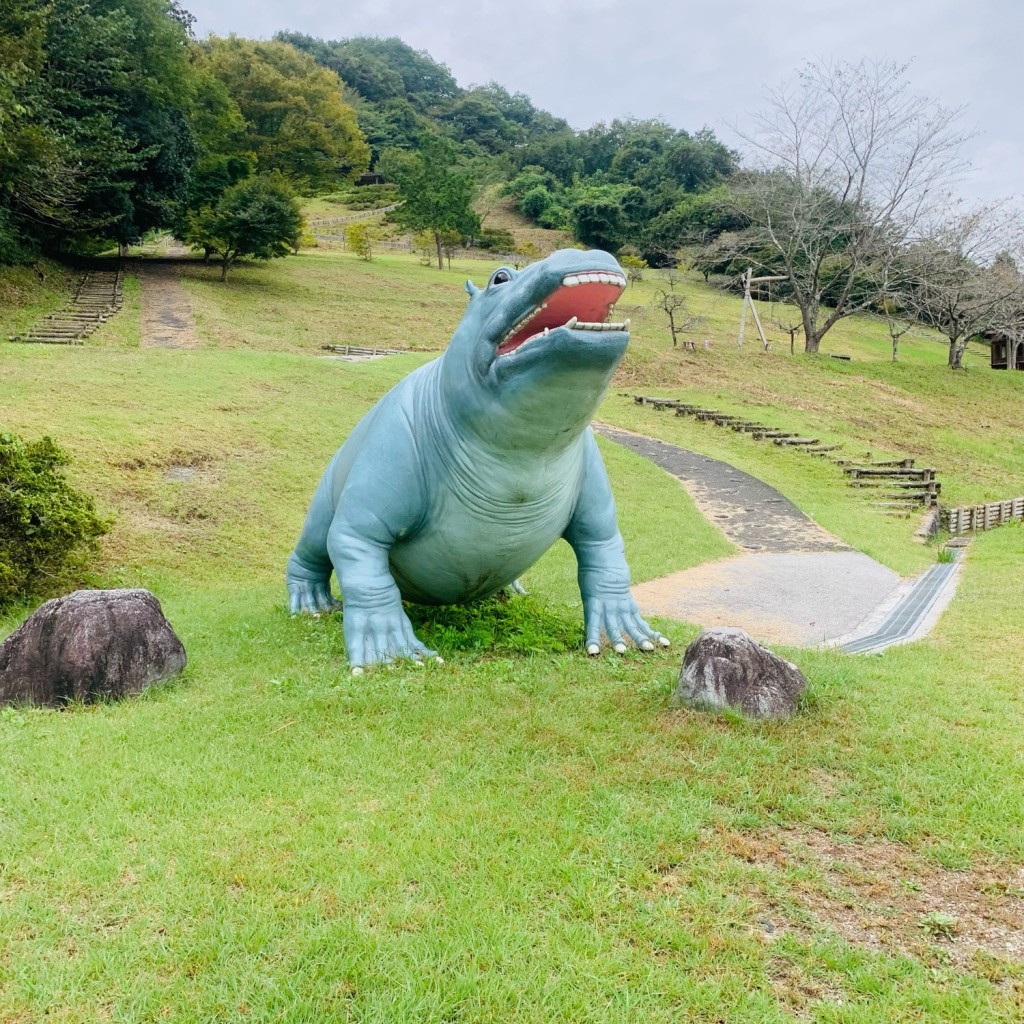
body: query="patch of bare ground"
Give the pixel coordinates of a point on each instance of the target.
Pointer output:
(879, 895)
(499, 212)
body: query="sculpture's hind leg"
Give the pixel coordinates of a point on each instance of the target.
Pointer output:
(309, 566)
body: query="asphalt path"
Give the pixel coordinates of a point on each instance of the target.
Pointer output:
(792, 583)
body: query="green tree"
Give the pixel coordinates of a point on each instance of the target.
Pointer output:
(258, 217)
(435, 198)
(296, 121)
(360, 239)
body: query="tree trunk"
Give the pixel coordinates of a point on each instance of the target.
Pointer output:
(811, 337)
(672, 327)
(224, 269)
(956, 353)
(440, 255)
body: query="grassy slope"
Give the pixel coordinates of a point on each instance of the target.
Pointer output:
(484, 841)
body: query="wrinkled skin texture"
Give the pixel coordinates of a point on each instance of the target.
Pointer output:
(470, 468)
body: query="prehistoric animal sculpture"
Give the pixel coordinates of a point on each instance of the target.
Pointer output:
(470, 468)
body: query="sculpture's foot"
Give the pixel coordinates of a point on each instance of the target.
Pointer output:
(619, 619)
(313, 597)
(516, 588)
(380, 638)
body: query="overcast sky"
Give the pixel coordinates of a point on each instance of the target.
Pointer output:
(690, 63)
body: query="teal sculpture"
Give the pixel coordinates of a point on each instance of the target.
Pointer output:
(470, 468)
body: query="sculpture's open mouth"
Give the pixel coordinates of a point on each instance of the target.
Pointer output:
(582, 302)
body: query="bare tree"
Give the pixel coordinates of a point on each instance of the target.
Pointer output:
(790, 321)
(963, 278)
(897, 322)
(673, 305)
(848, 164)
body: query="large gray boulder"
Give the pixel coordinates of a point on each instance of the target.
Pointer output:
(90, 645)
(728, 668)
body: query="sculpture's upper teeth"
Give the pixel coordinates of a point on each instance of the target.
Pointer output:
(594, 277)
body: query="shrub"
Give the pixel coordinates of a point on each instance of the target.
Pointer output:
(360, 239)
(46, 526)
(495, 240)
(371, 197)
(535, 202)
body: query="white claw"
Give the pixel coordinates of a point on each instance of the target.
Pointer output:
(439, 660)
(664, 641)
(593, 649)
(357, 670)
(625, 324)
(647, 646)
(417, 663)
(546, 332)
(620, 648)
(571, 324)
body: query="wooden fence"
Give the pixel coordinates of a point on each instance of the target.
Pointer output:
(983, 517)
(349, 218)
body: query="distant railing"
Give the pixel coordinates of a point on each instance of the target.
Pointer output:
(347, 218)
(983, 517)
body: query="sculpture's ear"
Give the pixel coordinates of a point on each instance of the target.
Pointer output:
(471, 289)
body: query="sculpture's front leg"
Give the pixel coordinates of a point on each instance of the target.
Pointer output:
(593, 533)
(377, 630)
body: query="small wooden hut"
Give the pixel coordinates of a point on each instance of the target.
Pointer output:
(1006, 353)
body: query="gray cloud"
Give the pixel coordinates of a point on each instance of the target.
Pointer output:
(690, 63)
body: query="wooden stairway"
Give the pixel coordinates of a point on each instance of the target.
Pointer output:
(97, 298)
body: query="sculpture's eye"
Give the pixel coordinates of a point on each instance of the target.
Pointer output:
(501, 277)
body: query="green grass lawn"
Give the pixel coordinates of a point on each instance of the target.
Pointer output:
(520, 834)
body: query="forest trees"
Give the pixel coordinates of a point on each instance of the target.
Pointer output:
(294, 118)
(95, 142)
(114, 121)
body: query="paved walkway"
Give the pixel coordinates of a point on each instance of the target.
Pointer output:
(794, 583)
(166, 311)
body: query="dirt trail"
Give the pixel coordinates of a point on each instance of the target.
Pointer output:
(167, 320)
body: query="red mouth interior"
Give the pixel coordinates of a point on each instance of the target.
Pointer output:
(590, 302)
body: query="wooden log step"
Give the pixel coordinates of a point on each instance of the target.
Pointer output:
(796, 440)
(356, 350)
(903, 485)
(685, 410)
(762, 434)
(882, 473)
(926, 499)
(821, 449)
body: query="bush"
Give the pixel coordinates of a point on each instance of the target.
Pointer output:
(360, 239)
(371, 197)
(46, 526)
(535, 202)
(495, 240)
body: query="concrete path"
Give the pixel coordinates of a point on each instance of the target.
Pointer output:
(795, 583)
(166, 311)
